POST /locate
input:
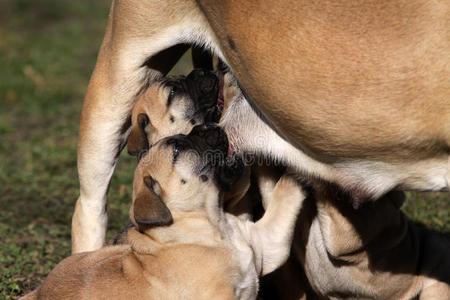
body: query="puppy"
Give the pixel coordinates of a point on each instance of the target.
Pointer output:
(174, 105)
(184, 246)
(374, 252)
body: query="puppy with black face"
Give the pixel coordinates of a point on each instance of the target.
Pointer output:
(181, 181)
(183, 244)
(174, 105)
(184, 171)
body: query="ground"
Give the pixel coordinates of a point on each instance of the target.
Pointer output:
(47, 52)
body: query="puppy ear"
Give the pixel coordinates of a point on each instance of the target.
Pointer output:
(137, 141)
(228, 174)
(148, 208)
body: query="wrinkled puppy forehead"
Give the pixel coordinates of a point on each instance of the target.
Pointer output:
(165, 162)
(157, 159)
(160, 94)
(155, 102)
(172, 81)
(198, 84)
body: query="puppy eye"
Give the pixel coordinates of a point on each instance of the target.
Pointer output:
(176, 152)
(172, 92)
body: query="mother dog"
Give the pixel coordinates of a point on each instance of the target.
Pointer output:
(355, 92)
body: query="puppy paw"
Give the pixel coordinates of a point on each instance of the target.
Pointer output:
(288, 190)
(267, 179)
(288, 184)
(230, 88)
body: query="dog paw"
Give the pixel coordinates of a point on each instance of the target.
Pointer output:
(288, 187)
(230, 88)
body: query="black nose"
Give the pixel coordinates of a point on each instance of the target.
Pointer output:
(209, 137)
(215, 137)
(207, 84)
(203, 87)
(205, 81)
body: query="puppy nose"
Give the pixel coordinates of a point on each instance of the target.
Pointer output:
(207, 84)
(205, 80)
(213, 136)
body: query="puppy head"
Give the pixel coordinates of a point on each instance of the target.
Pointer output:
(182, 173)
(172, 106)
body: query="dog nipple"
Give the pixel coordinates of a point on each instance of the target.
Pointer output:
(230, 150)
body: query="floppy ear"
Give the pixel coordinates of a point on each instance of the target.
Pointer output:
(137, 141)
(148, 208)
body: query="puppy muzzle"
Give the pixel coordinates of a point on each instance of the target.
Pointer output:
(210, 142)
(203, 87)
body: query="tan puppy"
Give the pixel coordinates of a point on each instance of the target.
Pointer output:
(204, 253)
(172, 105)
(374, 252)
(175, 105)
(357, 90)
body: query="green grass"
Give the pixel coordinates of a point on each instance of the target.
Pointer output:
(47, 52)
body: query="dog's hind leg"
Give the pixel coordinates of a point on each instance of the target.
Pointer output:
(143, 40)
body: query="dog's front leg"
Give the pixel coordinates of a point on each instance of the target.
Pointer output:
(135, 51)
(273, 233)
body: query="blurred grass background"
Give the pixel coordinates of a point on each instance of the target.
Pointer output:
(48, 49)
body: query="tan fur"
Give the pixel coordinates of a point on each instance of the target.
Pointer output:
(374, 252)
(204, 254)
(358, 89)
(364, 179)
(269, 238)
(153, 103)
(128, 272)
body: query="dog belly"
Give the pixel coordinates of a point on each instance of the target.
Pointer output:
(342, 81)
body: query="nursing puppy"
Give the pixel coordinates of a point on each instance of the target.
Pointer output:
(374, 252)
(184, 245)
(174, 105)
